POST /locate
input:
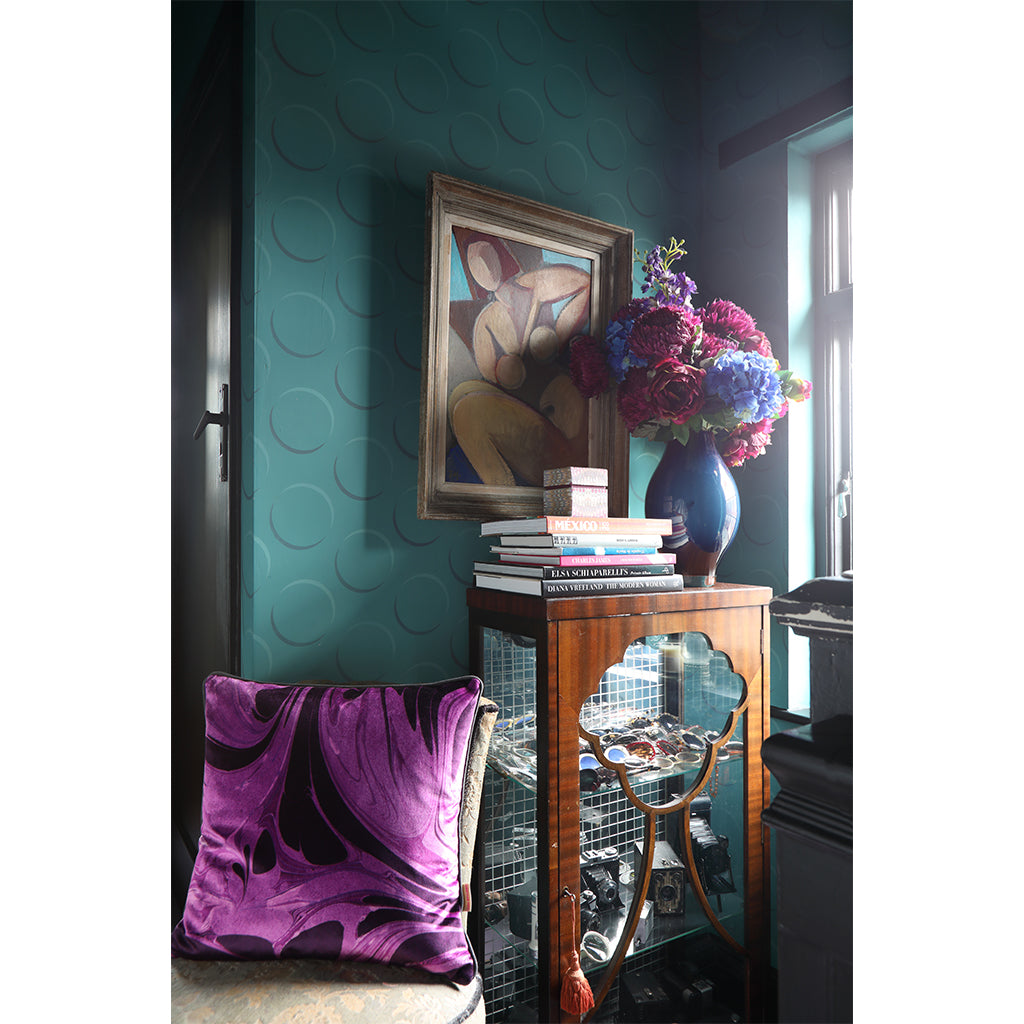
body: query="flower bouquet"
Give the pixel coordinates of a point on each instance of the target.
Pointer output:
(679, 370)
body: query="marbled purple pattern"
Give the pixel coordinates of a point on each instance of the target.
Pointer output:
(330, 824)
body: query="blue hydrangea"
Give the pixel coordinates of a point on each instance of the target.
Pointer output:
(746, 382)
(619, 357)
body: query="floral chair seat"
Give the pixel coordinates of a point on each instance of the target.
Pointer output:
(318, 992)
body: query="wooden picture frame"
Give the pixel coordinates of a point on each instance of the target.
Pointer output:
(509, 281)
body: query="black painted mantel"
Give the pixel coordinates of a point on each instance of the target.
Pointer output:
(811, 816)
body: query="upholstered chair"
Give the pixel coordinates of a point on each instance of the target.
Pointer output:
(409, 737)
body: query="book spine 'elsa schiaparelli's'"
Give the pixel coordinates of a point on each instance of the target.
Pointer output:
(579, 549)
(574, 572)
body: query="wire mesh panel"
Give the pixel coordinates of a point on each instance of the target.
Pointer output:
(510, 821)
(510, 943)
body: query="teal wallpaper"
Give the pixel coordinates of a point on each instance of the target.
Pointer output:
(614, 110)
(591, 107)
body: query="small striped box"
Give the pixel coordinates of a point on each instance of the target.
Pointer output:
(584, 476)
(576, 491)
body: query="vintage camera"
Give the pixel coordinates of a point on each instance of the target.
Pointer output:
(642, 998)
(668, 877)
(599, 872)
(710, 852)
(692, 993)
(590, 918)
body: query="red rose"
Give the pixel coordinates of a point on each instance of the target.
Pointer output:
(587, 367)
(676, 390)
(662, 332)
(758, 342)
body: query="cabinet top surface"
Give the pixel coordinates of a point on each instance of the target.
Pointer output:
(721, 595)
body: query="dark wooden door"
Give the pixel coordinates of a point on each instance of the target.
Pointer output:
(204, 377)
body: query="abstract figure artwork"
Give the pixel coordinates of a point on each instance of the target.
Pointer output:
(512, 409)
(507, 293)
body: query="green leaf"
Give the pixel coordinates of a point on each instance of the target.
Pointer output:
(681, 432)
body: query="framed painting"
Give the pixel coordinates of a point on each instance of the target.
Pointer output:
(509, 282)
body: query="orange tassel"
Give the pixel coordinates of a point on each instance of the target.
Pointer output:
(576, 995)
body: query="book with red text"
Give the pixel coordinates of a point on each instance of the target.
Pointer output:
(577, 525)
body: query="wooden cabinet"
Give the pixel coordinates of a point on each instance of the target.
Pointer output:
(620, 717)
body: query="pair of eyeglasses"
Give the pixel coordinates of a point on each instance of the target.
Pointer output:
(512, 723)
(617, 755)
(642, 748)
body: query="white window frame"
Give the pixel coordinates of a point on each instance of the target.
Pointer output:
(833, 358)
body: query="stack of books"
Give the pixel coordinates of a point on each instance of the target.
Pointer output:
(559, 556)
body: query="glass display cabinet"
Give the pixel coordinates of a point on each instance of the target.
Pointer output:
(622, 804)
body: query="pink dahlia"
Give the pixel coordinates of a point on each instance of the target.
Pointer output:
(725, 319)
(587, 367)
(676, 390)
(712, 345)
(632, 399)
(632, 309)
(663, 332)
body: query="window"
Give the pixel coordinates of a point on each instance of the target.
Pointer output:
(833, 360)
(820, 312)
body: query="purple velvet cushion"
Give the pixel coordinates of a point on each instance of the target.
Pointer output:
(330, 825)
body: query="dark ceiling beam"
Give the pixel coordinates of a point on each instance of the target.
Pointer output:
(786, 123)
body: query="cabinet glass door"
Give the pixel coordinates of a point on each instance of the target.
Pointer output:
(662, 833)
(661, 808)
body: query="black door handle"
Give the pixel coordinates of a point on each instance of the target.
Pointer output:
(221, 420)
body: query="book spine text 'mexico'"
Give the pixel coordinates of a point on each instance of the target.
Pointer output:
(577, 525)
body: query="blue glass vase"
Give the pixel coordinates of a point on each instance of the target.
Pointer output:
(693, 487)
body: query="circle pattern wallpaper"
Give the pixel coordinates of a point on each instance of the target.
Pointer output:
(609, 109)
